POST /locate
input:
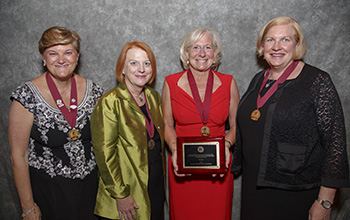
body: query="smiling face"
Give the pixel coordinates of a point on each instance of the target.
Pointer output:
(201, 54)
(137, 69)
(61, 60)
(279, 47)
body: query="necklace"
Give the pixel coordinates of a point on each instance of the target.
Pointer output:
(137, 96)
(269, 82)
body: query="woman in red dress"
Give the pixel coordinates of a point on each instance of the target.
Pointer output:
(199, 196)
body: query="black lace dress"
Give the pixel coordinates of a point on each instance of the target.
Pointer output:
(297, 145)
(62, 172)
(262, 203)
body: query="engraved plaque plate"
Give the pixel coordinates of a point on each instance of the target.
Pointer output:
(201, 155)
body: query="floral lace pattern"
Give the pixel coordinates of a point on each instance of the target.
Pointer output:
(49, 134)
(304, 142)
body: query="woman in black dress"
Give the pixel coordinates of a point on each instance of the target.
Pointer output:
(49, 134)
(290, 140)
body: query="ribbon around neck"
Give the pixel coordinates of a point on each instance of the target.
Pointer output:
(149, 124)
(203, 108)
(69, 114)
(262, 100)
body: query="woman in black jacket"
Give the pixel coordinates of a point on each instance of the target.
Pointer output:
(290, 140)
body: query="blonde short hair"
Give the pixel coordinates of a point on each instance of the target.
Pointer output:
(59, 36)
(195, 34)
(298, 35)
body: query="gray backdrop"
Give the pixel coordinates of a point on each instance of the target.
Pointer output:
(106, 25)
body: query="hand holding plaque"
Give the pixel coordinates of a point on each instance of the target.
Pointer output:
(201, 155)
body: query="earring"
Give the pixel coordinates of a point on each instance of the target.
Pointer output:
(187, 61)
(44, 64)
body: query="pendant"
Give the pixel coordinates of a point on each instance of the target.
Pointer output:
(59, 103)
(151, 144)
(73, 134)
(269, 83)
(205, 131)
(255, 115)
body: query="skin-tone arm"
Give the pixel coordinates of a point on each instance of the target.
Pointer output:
(169, 130)
(317, 211)
(231, 134)
(19, 128)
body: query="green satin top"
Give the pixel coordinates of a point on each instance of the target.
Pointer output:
(119, 141)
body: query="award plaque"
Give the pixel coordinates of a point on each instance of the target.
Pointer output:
(201, 155)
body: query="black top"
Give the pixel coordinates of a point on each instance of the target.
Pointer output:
(267, 203)
(62, 172)
(156, 189)
(50, 148)
(303, 144)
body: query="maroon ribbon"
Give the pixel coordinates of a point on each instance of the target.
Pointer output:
(149, 125)
(69, 114)
(203, 108)
(262, 100)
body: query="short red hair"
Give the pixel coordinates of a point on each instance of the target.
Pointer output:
(122, 58)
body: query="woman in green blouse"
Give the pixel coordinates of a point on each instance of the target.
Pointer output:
(127, 135)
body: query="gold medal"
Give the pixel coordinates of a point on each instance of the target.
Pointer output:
(255, 115)
(205, 131)
(73, 134)
(151, 144)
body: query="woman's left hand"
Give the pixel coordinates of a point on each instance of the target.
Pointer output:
(227, 159)
(126, 208)
(317, 212)
(231, 134)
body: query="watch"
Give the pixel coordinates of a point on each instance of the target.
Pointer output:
(325, 203)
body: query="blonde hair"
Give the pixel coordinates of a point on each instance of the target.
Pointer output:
(59, 36)
(195, 34)
(122, 58)
(298, 36)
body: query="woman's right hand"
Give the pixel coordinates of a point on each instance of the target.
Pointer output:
(126, 208)
(174, 162)
(33, 215)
